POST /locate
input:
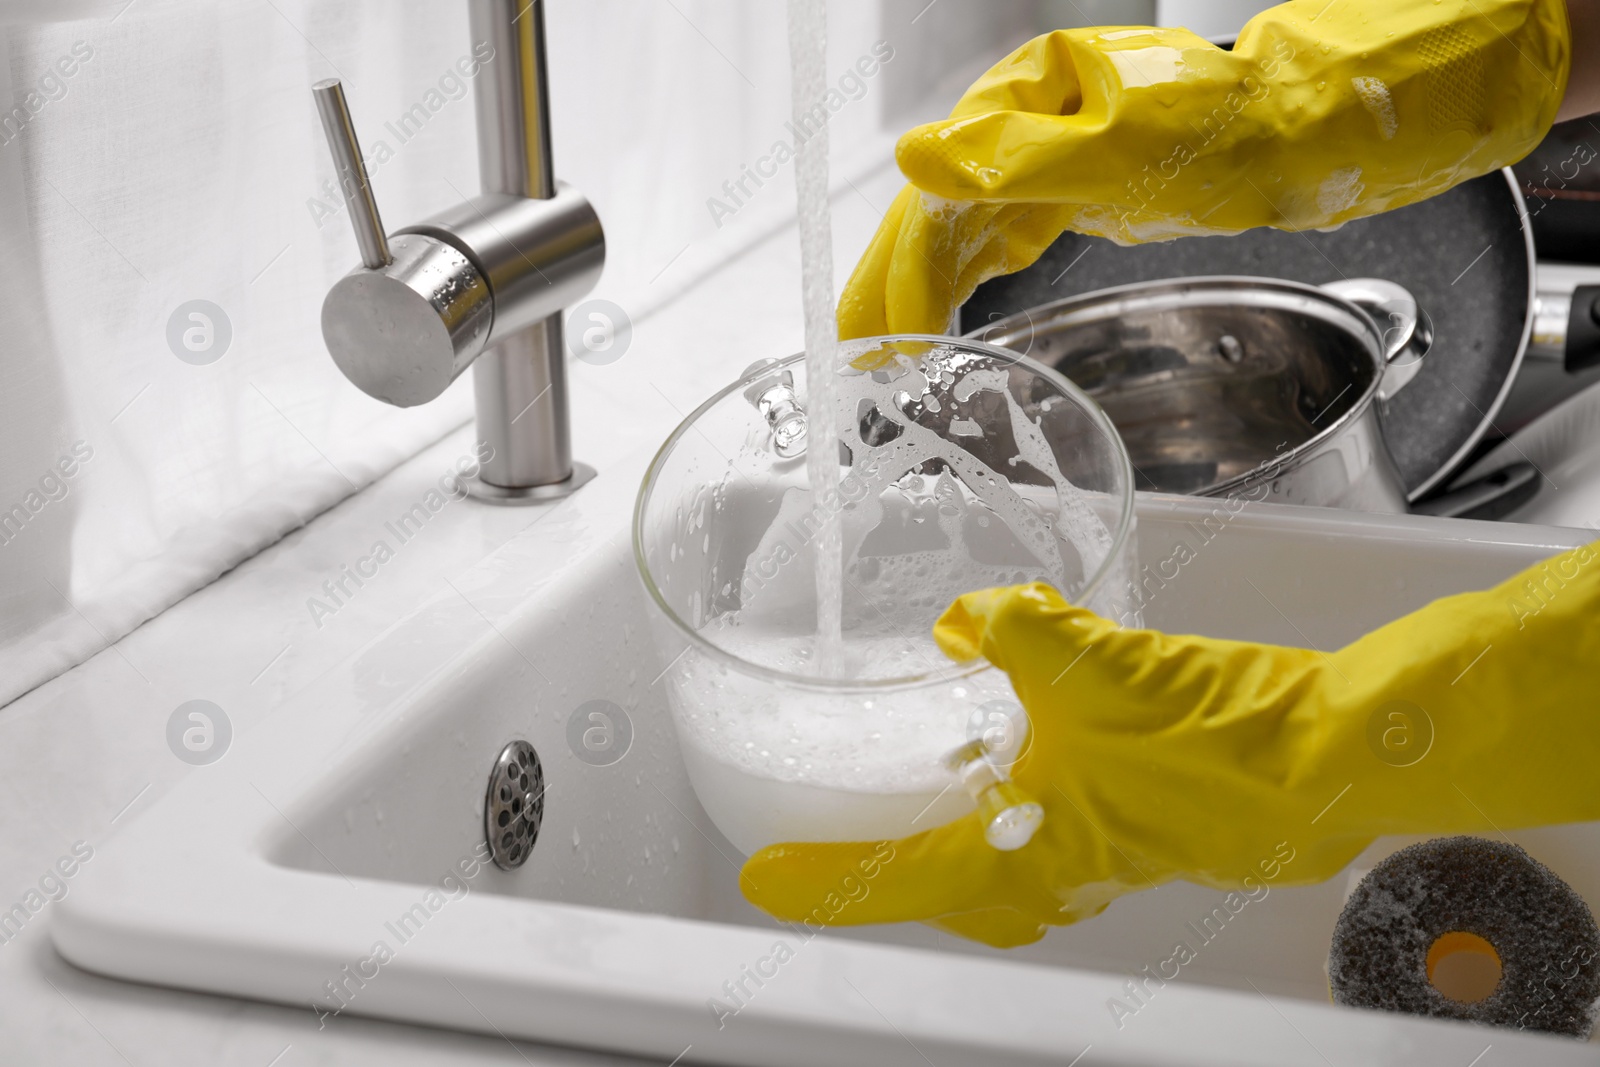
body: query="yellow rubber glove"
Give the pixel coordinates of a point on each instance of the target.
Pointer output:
(1233, 765)
(1322, 113)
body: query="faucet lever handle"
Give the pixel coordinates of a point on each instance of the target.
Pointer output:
(352, 170)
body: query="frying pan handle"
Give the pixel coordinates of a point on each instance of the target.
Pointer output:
(1566, 328)
(1406, 325)
(1494, 496)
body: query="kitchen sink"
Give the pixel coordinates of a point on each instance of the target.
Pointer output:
(335, 858)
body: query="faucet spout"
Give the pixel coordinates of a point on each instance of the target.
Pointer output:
(513, 101)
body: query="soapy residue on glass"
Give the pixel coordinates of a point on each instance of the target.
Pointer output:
(924, 520)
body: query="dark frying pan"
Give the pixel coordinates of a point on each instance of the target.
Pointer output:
(1466, 255)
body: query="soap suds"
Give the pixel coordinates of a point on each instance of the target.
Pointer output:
(1341, 191)
(1375, 97)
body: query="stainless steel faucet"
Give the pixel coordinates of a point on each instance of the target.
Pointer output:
(482, 284)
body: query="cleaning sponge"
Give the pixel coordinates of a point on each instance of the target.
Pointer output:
(1457, 895)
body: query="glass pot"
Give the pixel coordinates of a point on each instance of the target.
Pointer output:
(962, 466)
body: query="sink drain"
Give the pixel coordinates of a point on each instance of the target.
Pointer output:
(514, 805)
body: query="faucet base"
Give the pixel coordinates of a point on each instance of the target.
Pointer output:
(515, 496)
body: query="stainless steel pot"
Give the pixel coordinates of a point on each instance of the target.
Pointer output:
(1234, 386)
(1466, 255)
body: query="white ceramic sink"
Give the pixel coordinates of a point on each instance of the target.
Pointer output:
(328, 830)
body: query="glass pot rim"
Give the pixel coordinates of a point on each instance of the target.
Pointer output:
(1086, 404)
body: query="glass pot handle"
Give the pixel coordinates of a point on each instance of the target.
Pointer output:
(1010, 816)
(1000, 733)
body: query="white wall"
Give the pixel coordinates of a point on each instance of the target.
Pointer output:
(182, 160)
(940, 42)
(1209, 18)
(1068, 13)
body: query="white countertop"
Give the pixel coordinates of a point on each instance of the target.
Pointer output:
(84, 754)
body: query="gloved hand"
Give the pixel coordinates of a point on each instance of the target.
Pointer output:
(1322, 113)
(1159, 757)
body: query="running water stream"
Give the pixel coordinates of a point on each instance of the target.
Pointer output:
(808, 39)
